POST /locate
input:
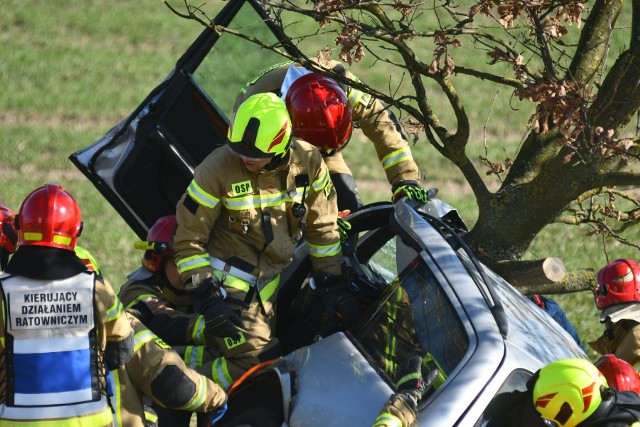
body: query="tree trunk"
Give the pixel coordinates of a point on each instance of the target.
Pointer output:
(531, 273)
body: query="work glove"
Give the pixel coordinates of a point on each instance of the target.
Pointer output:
(341, 307)
(410, 382)
(216, 415)
(343, 226)
(150, 416)
(208, 299)
(412, 190)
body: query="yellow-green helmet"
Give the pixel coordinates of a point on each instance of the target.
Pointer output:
(567, 391)
(87, 258)
(260, 128)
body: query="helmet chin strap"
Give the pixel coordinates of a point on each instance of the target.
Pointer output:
(276, 161)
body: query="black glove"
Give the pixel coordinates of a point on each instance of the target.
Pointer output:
(412, 190)
(338, 301)
(208, 299)
(410, 382)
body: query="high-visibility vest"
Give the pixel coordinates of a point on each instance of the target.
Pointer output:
(52, 363)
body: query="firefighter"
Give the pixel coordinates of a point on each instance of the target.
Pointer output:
(248, 206)
(8, 235)
(157, 372)
(618, 296)
(155, 290)
(323, 114)
(566, 393)
(619, 374)
(65, 327)
(158, 285)
(573, 392)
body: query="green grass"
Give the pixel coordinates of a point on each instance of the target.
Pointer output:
(72, 69)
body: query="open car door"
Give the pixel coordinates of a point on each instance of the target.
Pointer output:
(144, 164)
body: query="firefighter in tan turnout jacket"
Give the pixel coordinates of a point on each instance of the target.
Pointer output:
(62, 326)
(247, 208)
(323, 115)
(157, 372)
(618, 298)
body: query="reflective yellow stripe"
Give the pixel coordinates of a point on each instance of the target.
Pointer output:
(61, 240)
(141, 338)
(263, 72)
(198, 331)
(193, 355)
(116, 400)
(100, 419)
(232, 281)
(220, 373)
(322, 182)
(321, 251)
(140, 298)
(4, 322)
(269, 289)
(257, 201)
(192, 262)
(402, 155)
(32, 236)
(198, 399)
(392, 313)
(201, 196)
(388, 420)
(115, 311)
(354, 95)
(151, 416)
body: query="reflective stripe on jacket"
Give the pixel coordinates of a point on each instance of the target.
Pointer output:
(174, 324)
(369, 114)
(153, 364)
(245, 218)
(51, 358)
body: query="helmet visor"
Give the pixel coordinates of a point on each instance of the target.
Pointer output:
(247, 152)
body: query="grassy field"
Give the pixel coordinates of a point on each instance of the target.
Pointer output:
(72, 69)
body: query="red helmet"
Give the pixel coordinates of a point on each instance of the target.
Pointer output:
(49, 216)
(620, 374)
(158, 244)
(618, 282)
(320, 112)
(8, 232)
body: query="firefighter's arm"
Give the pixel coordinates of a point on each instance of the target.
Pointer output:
(175, 327)
(331, 280)
(196, 213)
(322, 232)
(162, 375)
(118, 335)
(382, 128)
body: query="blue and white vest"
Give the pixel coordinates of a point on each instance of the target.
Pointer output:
(51, 350)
